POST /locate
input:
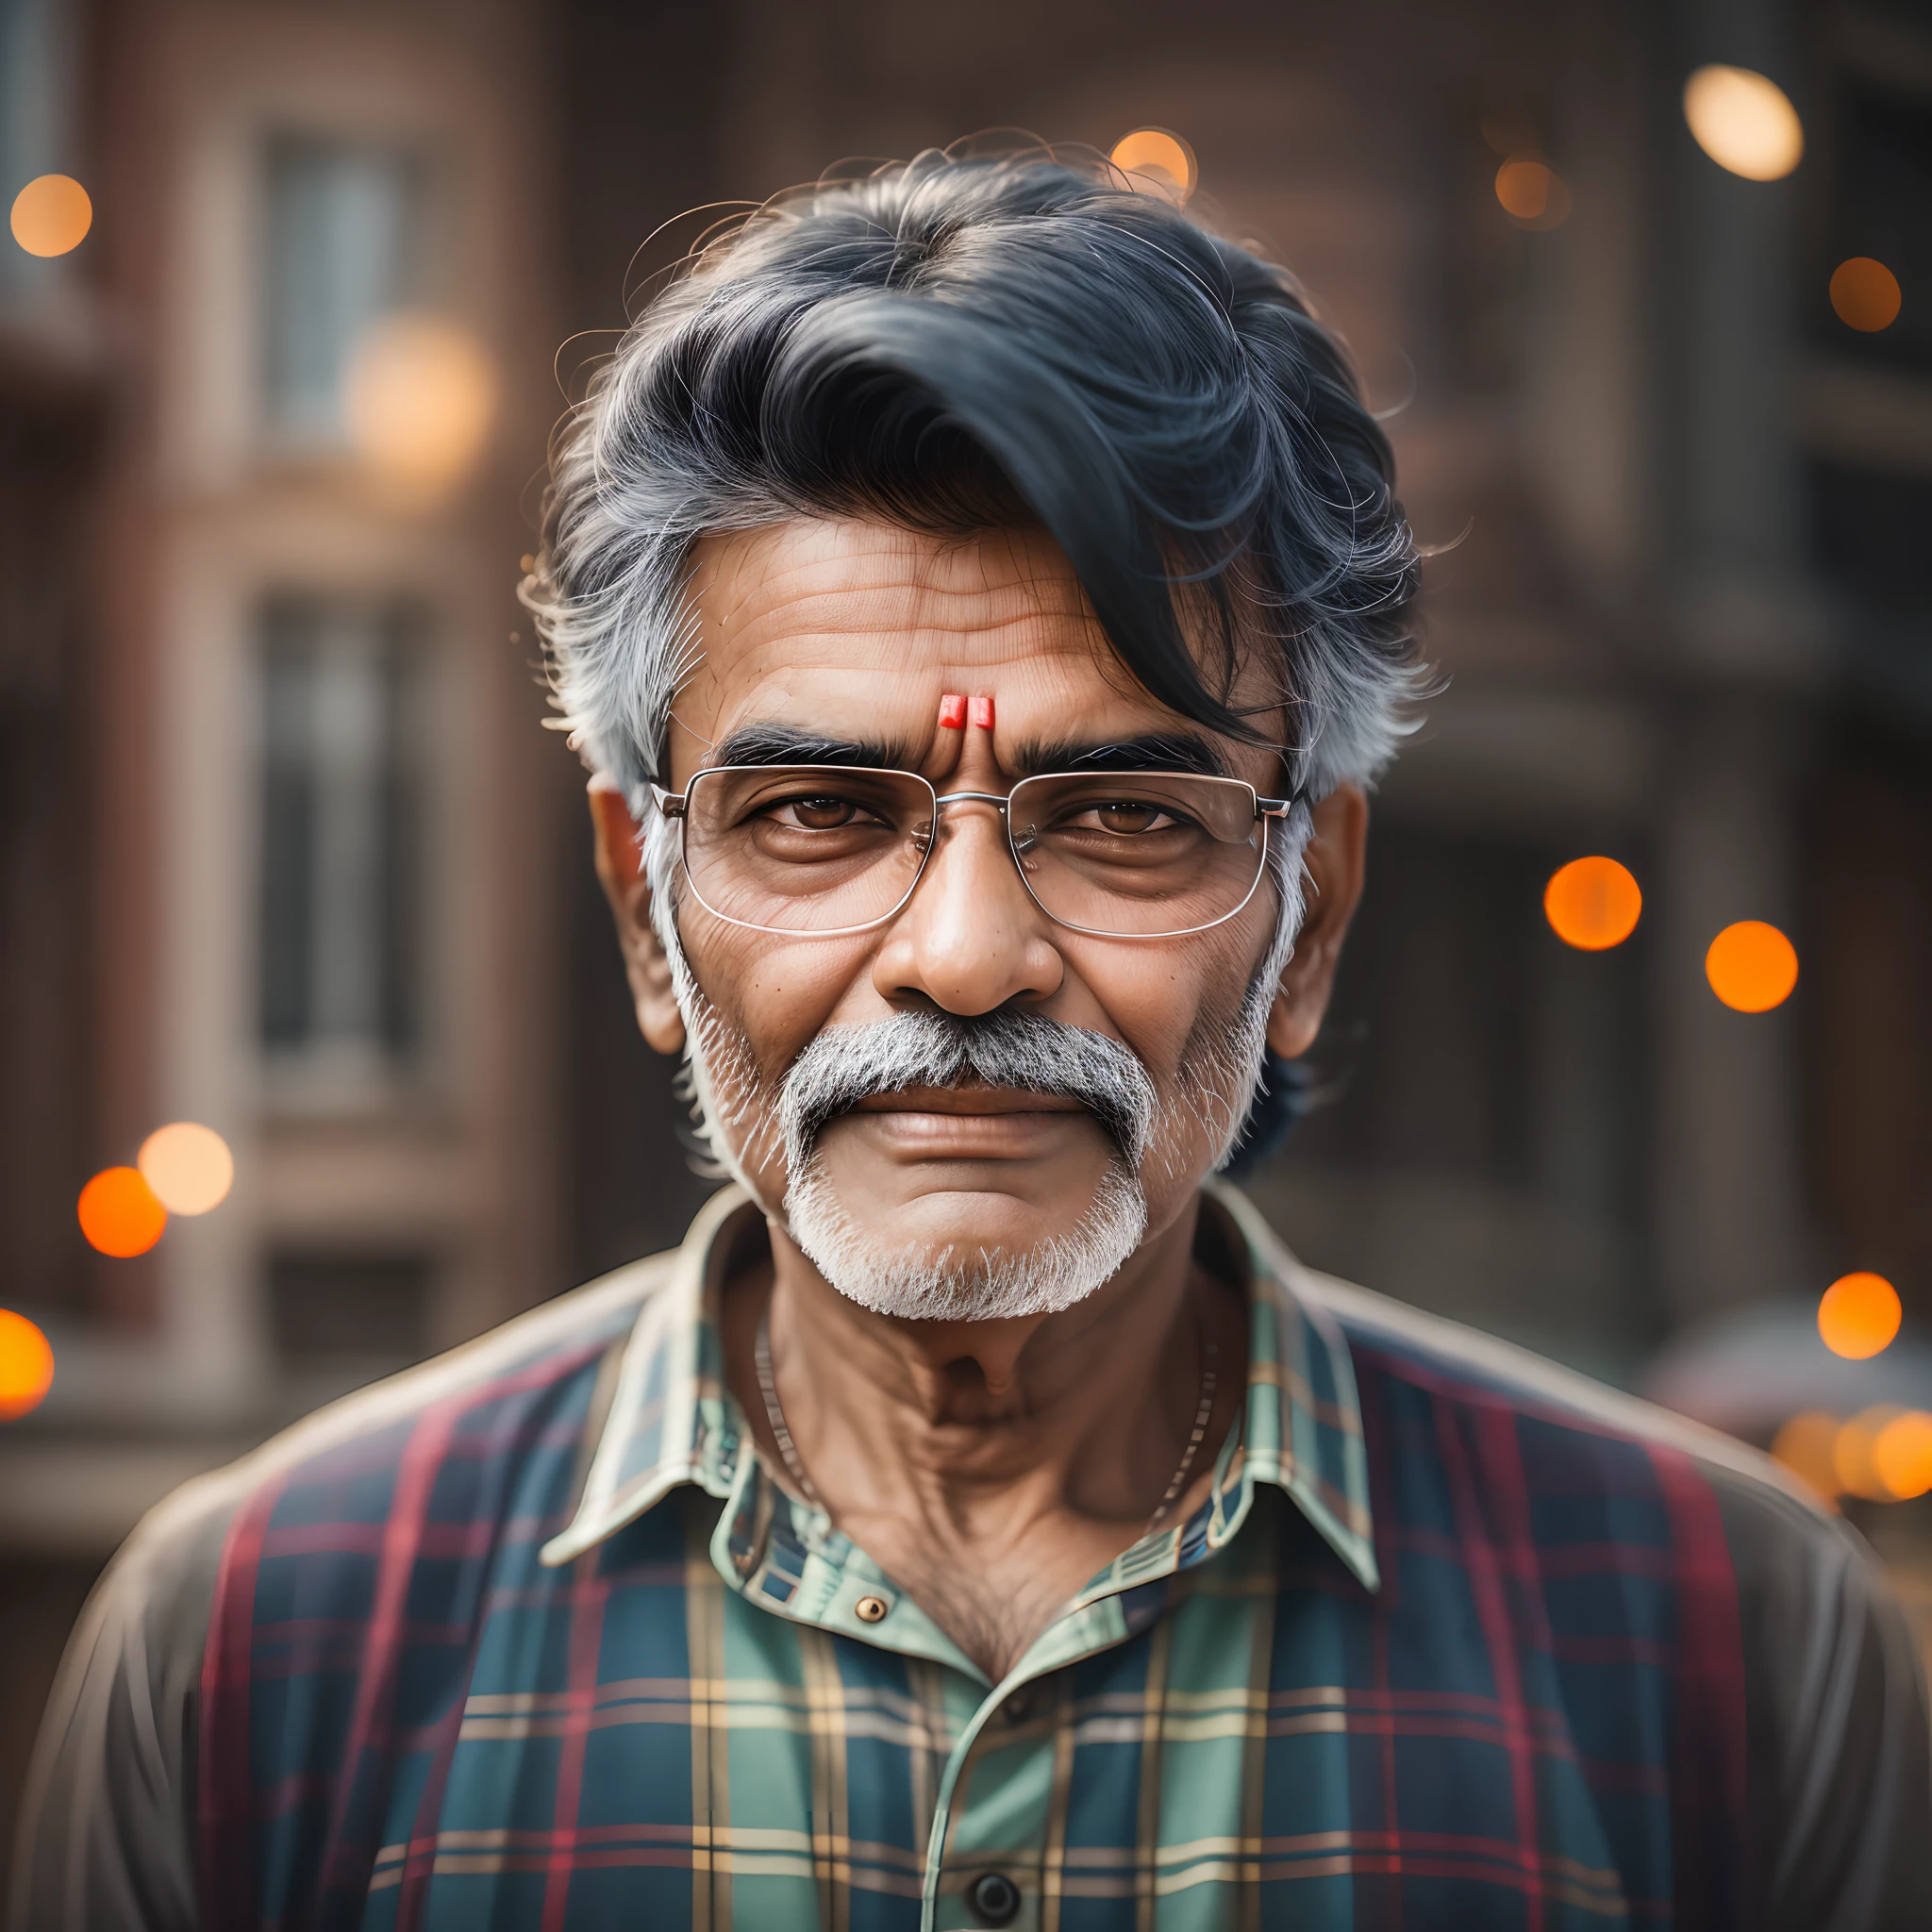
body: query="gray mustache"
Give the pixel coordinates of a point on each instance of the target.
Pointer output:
(1018, 1049)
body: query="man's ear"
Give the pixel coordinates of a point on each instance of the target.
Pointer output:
(1333, 863)
(620, 871)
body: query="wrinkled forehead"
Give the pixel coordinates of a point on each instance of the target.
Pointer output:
(856, 630)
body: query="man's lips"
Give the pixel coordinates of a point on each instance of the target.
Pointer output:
(967, 1101)
(952, 1124)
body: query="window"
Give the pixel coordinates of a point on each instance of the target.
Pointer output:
(342, 810)
(344, 248)
(1469, 1042)
(1482, 1153)
(359, 1314)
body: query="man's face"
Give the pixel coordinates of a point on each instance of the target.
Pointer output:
(853, 631)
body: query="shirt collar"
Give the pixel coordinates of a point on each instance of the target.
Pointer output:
(671, 1422)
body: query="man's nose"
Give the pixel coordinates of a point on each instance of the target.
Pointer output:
(971, 938)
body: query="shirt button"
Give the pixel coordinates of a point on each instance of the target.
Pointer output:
(872, 1609)
(993, 1899)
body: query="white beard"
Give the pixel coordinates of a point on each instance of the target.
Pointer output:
(920, 1283)
(1011, 1048)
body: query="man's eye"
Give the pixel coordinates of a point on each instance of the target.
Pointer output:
(818, 814)
(1127, 816)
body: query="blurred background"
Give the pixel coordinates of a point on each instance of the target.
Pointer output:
(1646, 286)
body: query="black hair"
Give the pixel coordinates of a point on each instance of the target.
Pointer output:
(970, 341)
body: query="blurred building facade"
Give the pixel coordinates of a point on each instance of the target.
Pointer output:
(286, 853)
(277, 853)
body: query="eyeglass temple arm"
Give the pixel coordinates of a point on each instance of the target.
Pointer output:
(672, 803)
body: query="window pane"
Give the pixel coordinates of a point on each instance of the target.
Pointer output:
(341, 252)
(359, 1310)
(399, 880)
(287, 831)
(341, 816)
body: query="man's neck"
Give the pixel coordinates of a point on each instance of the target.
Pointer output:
(991, 1467)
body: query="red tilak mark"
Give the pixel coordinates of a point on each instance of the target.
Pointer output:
(953, 712)
(982, 712)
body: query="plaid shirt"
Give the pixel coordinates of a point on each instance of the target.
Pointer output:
(532, 1639)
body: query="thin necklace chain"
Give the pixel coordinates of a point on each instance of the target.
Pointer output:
(768, 1387)
(1203, 1410)
(774, 1414)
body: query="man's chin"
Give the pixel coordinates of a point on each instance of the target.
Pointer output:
(965, 1255)
(967, 1219)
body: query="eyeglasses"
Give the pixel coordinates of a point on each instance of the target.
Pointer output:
(829, 850)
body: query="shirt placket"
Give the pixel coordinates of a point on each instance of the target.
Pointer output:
(992, 1856)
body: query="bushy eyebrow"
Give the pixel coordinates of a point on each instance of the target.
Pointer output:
(782, 745)
(1158, 751)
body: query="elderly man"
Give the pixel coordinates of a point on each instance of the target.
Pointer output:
(979, 593)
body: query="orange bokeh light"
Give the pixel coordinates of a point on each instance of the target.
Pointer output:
(27, 1365)
(1593, 903)
(1807, 1445)
(1858, 1315)
(1159, 157)
(1852, 1458)
(1532, 192)
(1902, 1454)
(1865, 294)
(188, 1166)
(421, 396)
(119, 1213)
(52, 215)
(1752, 967)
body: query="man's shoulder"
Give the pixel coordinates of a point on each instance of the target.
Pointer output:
(1465, 1363)
(568, 1337)
(1805, 1585)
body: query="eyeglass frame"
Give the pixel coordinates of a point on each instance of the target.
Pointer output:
(675, 805)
